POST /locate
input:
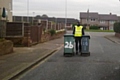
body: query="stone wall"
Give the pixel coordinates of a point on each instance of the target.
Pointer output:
(6, 47)
(57, 35)
(47, 36)
(16, 41)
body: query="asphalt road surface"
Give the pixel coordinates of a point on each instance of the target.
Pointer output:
(102, 64)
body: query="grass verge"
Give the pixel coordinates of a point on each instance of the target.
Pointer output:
(99, 30)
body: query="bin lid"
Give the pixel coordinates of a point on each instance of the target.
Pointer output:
(86, 36)
(68, 35)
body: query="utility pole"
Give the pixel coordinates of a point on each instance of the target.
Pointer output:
(65, 15)
(33, 18)
(88, 18)
(27, 10)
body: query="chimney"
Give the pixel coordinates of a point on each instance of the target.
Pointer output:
(110, 13)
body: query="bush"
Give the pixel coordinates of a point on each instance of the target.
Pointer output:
(52, 32)
(94, 27)
(117, 27)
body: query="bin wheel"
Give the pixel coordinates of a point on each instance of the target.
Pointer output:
(68, 54)
(85, 54)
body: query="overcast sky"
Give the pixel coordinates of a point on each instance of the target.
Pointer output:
(56, 8)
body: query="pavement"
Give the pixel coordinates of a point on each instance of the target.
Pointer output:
(24, 58)
(113, 38)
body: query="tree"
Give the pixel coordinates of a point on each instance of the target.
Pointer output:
(44, 15)
(37, 17)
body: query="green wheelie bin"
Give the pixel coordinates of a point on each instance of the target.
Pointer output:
(68, 45)
(85, 45)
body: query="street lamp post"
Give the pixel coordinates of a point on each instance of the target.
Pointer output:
(65, 15)
(0, 14)
(55, 23)
(27, 10)
(33, 18)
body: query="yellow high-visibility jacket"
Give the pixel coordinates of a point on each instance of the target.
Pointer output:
(78, 31)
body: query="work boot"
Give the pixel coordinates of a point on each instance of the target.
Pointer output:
(80, 52)
(76, 52)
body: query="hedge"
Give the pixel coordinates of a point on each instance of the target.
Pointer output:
(52, 32)
(94, 27)
(117, 27)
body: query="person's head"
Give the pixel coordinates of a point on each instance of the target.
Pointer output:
(78, 23)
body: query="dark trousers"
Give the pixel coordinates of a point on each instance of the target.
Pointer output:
(78, 44)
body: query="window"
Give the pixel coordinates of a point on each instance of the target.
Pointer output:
(102, 22)
(92, 20)
(111, 27)
(111, 22)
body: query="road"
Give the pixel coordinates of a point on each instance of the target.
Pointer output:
(102, 64)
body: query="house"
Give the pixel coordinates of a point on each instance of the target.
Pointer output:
(89, 19)
(104, 21)
(7, 4)
(118, 18)
(53, 19)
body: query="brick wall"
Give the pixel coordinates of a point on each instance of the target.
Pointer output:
(33, 34)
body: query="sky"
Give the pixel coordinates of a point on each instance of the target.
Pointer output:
(64, 8)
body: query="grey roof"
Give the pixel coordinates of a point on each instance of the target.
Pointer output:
(58, 20)
(69, 20)
(84, 15)
(19, 18)
(95, 15)
(107, 17)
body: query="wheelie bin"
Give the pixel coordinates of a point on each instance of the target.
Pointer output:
(68, 45)
(85, 45)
